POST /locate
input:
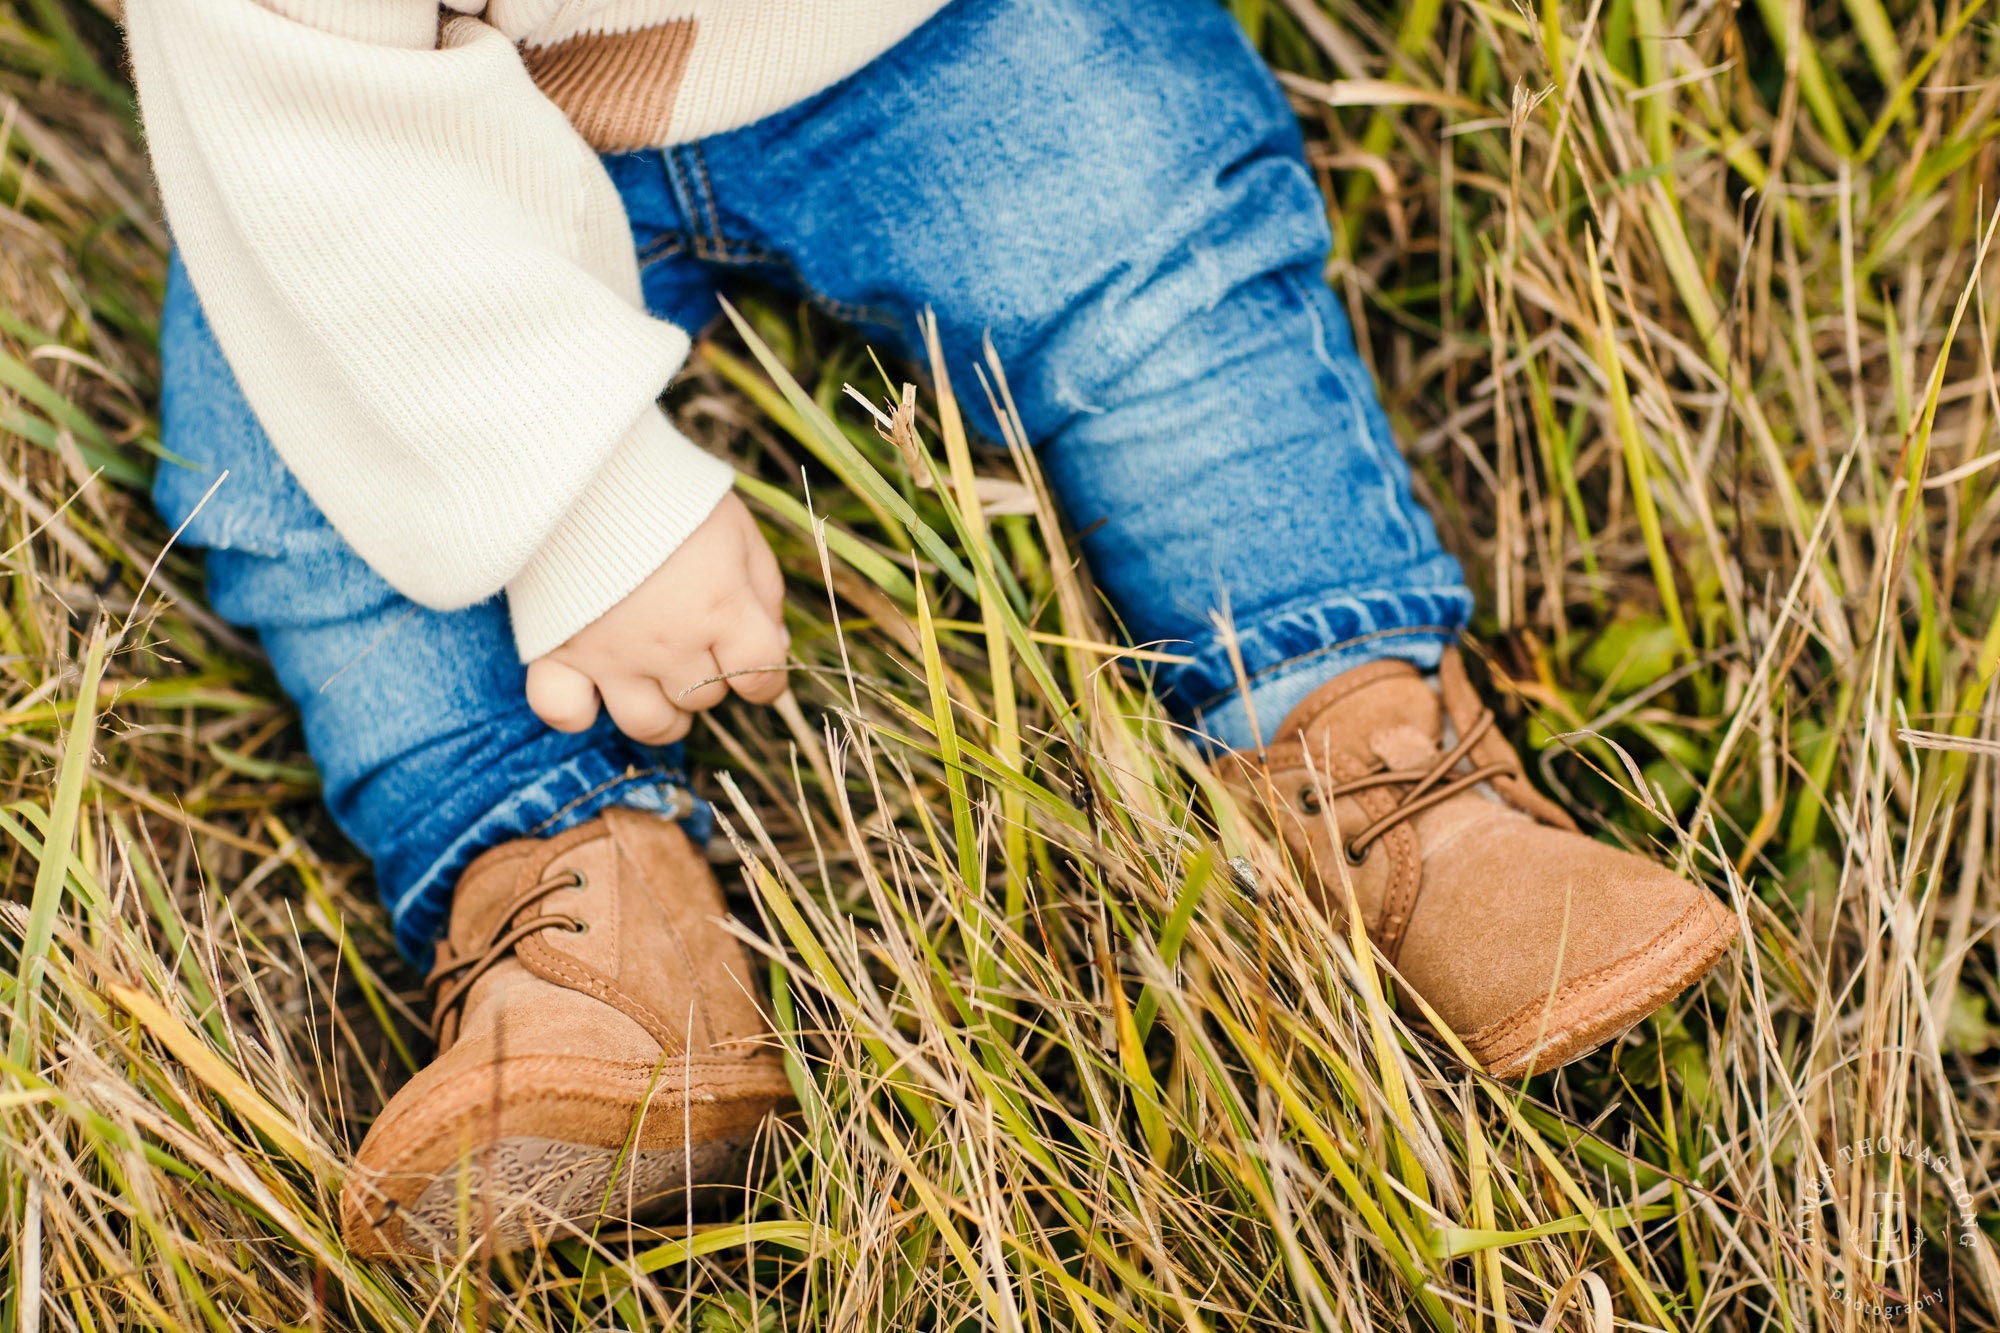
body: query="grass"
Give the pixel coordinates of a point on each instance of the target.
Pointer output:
(1685, 315)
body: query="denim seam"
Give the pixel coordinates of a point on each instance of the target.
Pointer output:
(736, 252)
(748, 253)
(846, 311)
(1357, 395)
(745, 254)
(668, 777)
(1360, 391)
(1252, 680)
(664, 246)
(696, 196)
(682, 186)
(700, 160)
(1208, 665)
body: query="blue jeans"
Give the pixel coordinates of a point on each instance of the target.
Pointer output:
(1115, 192)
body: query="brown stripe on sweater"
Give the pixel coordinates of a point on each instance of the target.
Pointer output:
(617, 88)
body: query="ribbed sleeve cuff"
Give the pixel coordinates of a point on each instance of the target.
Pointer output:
(655, 489)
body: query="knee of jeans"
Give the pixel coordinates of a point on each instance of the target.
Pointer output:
(1220, 290)
(1181, 227)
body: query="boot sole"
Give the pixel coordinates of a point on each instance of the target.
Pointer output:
(1604, 1005)
(540, 1190)
(416, 1192)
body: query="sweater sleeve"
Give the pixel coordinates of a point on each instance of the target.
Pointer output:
(425, 283)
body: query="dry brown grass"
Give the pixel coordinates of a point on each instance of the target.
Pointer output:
(1683, 317)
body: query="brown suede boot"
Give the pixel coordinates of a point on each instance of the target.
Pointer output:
(590, 1013)
(1535, 943)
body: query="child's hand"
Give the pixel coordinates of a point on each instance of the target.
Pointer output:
(715, 607)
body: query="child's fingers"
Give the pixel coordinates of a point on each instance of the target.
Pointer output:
(752, 643)
(643, 711)
(692, 684)
(561, 695)
(767, 581)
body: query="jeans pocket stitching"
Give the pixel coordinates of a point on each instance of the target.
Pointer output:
(716, 247)
(707, 187)
(663, 247)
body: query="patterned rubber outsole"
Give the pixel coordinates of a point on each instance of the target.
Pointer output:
(527, 1190)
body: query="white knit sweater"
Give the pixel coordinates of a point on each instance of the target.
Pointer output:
(424, 280)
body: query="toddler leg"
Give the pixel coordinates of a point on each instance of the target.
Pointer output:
(416, 718)
(1115, 191)
(582, 943)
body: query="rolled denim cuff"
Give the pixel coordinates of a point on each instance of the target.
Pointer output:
(572, 793)
(1288, 655)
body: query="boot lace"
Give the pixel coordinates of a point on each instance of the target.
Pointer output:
(1426, 787)
(455, 971)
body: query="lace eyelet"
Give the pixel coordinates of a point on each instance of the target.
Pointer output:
(1347, 850)
(580, 928)
(1309, 802)
(579, 881)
